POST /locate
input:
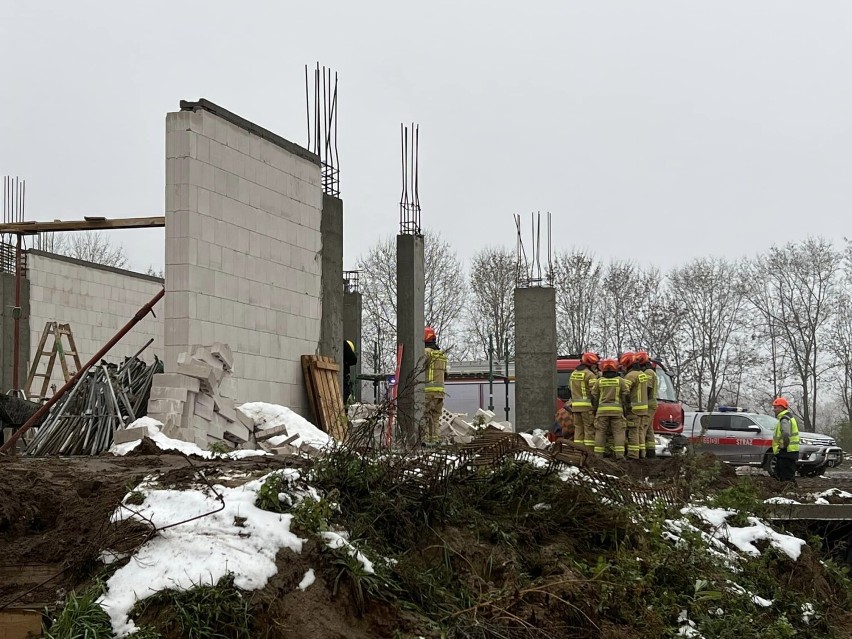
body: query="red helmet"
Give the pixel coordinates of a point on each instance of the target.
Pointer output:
(627, 359)
(590, 359)
(609, 365)
(429, 334)
(780, 402)
(642, 358)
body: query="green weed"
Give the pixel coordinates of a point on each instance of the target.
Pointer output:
(218, 448)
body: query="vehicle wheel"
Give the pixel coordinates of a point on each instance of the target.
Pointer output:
(769, 464)
(811, 472)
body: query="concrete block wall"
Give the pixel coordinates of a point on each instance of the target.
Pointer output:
(96, 301)
(243, 242)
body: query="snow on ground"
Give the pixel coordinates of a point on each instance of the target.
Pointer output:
(755, 599)
(835, 492)
(200, 551)
(780, 500)
(743, 538)
(808, 612)
(167, 443)
(687, 626)
(307, 580)
(336, 540)
(266, 416)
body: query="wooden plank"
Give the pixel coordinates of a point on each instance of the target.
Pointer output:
(322, 385)
(20, 624)
(28, 228)
(309, 387)
(332, 398)
(327, 365)
(28, 574)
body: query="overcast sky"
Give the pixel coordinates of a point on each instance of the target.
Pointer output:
(651, 130)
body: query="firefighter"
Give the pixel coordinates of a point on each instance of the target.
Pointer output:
(785, 442)
(581, 399)
(563, 428)
(647, 432)
(637, 408)
(610, 391)
(436, 368)
(350, 358)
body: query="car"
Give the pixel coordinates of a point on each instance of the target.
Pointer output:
(742, 438)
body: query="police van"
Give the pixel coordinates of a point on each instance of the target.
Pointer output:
(742, 438)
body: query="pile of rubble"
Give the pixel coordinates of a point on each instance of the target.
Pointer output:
(196, 403)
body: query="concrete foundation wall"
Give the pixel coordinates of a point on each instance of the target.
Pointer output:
(7, 331)
(243, 214)
(410, 292)
(352, 305)
(96, 301)
(535, 358)
(331, 332)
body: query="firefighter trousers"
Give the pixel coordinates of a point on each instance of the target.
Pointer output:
(648, 436)
(635, 436)
(606, 425)
(432, 410)
(584, 428)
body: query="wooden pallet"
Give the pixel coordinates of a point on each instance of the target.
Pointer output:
(322, 381)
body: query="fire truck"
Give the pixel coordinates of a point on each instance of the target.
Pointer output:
(467, 389)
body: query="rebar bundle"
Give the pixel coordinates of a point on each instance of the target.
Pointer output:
(106, 398)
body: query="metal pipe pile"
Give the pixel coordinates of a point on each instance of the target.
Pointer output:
(106, 398)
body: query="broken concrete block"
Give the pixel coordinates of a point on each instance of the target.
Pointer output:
(228, 387)
(223, 353)
(460, 426)
(176, 380)
(203, 410)
(205, 400)
(124, 435)
(162, 392)
(486, 415)
(284, 449)
(225, 407)
(163, 406)
(244, 419)
(309, 449)
(263, 435)
(202, 372)
(236, 432)
(496, 426)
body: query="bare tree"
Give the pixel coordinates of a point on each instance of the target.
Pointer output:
(491, 310)
(89, 246)
(577, 279)
(711, 293)
(614, 306)
(444, 303)
(161, 273)
(803, 279)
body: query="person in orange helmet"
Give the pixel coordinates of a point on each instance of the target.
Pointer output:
(610, 392)
(785, 441)
(637, 407)
(646, 434)
(436, 370)
(580, 383)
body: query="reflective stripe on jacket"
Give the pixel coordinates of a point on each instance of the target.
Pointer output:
(653, 388)
(778, 439)
(581, 399)
(436, 368)
(638, 391)
(610, 391)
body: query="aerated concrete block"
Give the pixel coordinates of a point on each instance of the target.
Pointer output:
(176, 380)
(202, 410)
(125, 435)
(202, 372)
(235, 432)
(223, 353)
(225, 407)
(163, 406)
(161, 392)
(263, 435)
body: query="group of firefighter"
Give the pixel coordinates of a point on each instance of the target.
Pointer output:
(612, 405)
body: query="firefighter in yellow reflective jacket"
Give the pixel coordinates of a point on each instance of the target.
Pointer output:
(647, 432)
(580, 383)
(637, 407)
(785, 442)
(436, 368)
(610, 391)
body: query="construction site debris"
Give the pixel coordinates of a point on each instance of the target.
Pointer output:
(322, 382)
(280, 431)
(104, 400)
(189, 405)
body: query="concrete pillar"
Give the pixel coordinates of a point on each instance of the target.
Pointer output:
(352, 331)
(331, 326)
(535, 358)
(7, 331)
(410, 292)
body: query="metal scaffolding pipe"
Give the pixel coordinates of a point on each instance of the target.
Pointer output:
(140, 315)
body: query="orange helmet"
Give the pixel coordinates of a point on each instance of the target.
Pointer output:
(780, 402)
(590, 359)
(642, 358)
(627, 359)
(429, 334)
(609, 365)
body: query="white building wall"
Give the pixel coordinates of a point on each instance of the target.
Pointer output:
(243, 211)
(96, 301)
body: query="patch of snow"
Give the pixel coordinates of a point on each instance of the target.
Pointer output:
(822, 502)
(780, 500)
(167, 443)
(542, 506)
(335, 540)
(808, 612)
(267, 416)
(755, 599)
(687, 627)
(743, 538)
(835, 492)
(307, 580)
(200, 551)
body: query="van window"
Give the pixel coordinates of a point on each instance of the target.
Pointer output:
(741, 422)
(563, 390)
(715, 422)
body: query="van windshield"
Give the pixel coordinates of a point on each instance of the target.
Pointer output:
(666, 390)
